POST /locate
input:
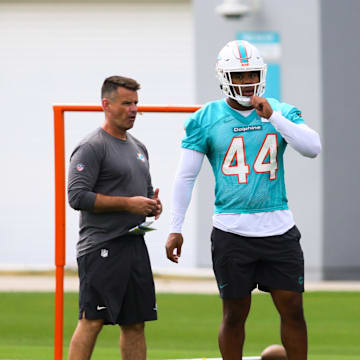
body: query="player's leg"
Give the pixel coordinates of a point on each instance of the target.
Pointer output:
(282, 274)
(234, 263)
(293, 326)
(232, 328)
(132, 342)
(84, 338)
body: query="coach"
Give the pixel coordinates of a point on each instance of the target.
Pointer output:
(110, 183)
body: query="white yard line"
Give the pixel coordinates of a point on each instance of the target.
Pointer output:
(171, 285)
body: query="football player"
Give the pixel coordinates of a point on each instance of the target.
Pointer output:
(254, 242)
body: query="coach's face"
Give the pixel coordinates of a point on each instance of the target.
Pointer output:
(121, 109)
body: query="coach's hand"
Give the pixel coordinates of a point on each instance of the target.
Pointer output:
(158, 209)
(142, 205)
(174, 241)
(261, 106)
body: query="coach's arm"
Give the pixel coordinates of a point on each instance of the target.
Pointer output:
(83, 173)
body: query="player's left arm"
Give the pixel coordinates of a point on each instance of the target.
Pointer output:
(298, 135)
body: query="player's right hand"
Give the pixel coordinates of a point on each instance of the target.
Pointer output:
(174, 241)
(262, 106)
(141, 205)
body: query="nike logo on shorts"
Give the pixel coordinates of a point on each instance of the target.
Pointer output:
(98, 308)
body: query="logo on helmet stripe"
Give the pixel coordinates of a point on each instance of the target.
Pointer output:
(244, 58)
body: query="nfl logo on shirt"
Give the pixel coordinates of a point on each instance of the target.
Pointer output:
(104, 253)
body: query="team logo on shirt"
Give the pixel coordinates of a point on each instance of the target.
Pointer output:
(140, 156)
(80, 167)
(247, 128)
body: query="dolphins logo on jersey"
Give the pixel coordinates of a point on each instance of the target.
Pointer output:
(140, 156)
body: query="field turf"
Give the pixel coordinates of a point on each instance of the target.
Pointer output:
(187, 326)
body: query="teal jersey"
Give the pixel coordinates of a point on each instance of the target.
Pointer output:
(246, 155)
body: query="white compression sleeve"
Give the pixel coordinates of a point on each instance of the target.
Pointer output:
(188, 170)
(299, 136)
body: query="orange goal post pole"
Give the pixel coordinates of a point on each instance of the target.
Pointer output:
(59, 144)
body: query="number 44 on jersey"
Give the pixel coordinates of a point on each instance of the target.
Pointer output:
(234, 163)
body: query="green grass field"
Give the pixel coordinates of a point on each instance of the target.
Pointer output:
(187, 326)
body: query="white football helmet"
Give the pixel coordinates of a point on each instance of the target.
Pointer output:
(239, 56)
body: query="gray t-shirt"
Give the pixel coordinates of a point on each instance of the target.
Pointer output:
(104, 164)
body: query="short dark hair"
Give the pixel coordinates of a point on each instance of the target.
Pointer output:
(113, 82)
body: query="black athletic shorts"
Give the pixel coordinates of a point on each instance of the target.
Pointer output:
(116, 282)
(243, 263)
